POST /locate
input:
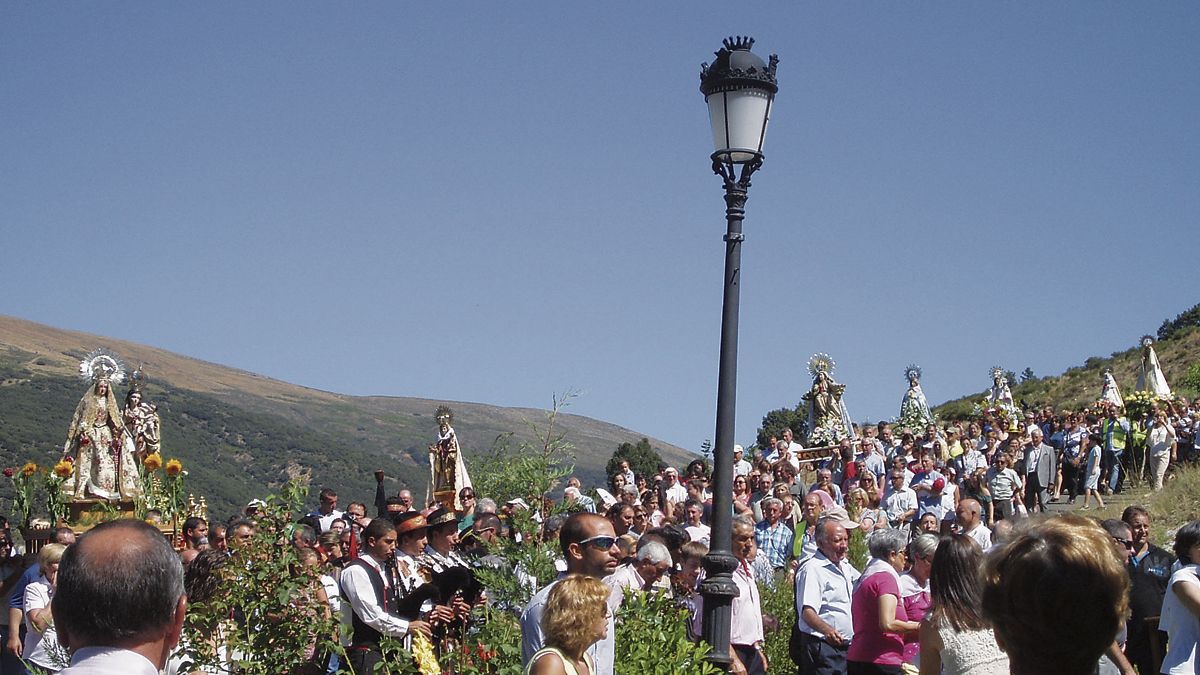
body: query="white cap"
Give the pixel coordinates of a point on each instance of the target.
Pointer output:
(738, 448)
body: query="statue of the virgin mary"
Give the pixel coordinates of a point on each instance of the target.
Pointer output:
(98, 442)
(828, 421)
(1150, 377)
(914, 409)
(1111, 393)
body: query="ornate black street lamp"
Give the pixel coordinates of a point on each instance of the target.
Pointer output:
(739, 89)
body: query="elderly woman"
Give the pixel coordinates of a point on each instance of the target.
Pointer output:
(41, 642)
(1181, 605)
(914, 587)
(880, 622)
(575, 618)
(1065, 563)
(955, 638)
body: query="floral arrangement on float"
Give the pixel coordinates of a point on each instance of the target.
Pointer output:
(1139, 404)
(26, 481)
(1006, 412)
(162, 487)
(23, 489)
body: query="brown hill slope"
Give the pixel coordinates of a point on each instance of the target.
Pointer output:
(242, 433)
(1079, 387)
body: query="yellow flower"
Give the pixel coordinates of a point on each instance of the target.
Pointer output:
(29, 469)
(174, 467)
(152, 462)
(63, 469)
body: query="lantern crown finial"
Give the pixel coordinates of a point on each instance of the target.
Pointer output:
(738, 43)
(737, 67)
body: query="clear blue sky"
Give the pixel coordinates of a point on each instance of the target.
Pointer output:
(497, 202)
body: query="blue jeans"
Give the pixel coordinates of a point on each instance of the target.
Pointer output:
(1116, 471)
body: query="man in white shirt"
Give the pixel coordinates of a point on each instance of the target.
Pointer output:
(872, 458)
(648, 566)
(824, 585)
(900, 501)
(371, 591)
(740, 466)
(119, 603)
(675, 492)
(327, 512)
(589, 546)
(968, 515)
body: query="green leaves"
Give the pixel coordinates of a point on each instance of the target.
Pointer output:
(652, 638)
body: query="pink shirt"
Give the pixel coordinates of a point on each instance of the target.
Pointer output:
(747, 627)
(870, 645)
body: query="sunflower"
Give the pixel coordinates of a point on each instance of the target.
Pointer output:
(152, 462)
(174, 467)
(29, 469)
(63, 469)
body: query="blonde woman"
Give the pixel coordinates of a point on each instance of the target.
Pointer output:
(575, 618)
(41, 641)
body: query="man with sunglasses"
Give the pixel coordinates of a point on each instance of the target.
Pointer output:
(1114, 662)
(589, 546)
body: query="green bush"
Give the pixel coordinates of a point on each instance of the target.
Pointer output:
(652, 638)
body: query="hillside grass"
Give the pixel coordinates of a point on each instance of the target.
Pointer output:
(1176, 504)
(1079, 387)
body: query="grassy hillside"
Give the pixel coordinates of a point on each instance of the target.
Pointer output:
(241, 434)
(1080, 386)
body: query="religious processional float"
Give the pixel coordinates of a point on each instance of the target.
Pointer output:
(110, 466)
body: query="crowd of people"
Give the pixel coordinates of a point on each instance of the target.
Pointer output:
(957, 578)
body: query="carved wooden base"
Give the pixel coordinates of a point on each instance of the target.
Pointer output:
(83, 514)
(445, 498)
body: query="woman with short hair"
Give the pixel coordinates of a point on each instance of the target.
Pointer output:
(575, 618)
(880, 622)
(41, 641)
(1060, 564)
(914, 586)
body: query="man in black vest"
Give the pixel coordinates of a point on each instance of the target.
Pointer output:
(370, 588)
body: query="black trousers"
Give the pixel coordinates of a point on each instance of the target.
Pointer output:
(751, 658)
(363, 661)
(814, 656)
(860, 668)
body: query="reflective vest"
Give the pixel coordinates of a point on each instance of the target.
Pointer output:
(1114, 435)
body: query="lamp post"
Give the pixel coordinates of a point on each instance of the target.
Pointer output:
(739, 89)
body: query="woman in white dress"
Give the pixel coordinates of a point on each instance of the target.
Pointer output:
(955, 638)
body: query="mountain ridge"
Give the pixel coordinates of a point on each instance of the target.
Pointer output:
(241, 433)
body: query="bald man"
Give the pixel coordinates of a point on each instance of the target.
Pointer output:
(968, 515)
(119, 604)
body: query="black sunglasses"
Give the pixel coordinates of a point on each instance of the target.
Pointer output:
(602, 542)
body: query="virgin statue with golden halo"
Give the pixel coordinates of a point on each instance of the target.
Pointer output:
(828, 420)
(447, 470)
(98, 442)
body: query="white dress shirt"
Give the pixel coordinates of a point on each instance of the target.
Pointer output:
(360, 599)
(827, 588)
(108, 661)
